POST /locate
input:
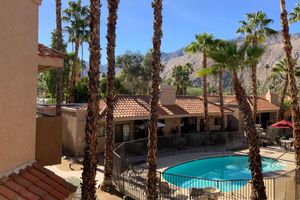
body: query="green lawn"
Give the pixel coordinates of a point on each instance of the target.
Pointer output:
(194, 91)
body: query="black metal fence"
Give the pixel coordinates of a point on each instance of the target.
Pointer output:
(130, 172)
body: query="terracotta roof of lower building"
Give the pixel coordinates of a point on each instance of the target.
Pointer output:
(46, 51)
(35, 183)
(263, 105)
(136, 106)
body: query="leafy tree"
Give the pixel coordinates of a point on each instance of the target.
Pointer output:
(136, 71)
(234, 59)
(76, 16)
(203, 43)
(255, 29)
(81, 90)
(181, 77)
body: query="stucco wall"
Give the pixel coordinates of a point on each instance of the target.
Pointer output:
(18, 81)
(48, 140)
(171, 124)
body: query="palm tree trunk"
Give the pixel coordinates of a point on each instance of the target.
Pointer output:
(111, 44)
(204, 89)
(254, 83)
(293, 90)
(152, 136)
(92, 121)
(254, 90)
(220, 87)
(280, 114)
(257, 184)
(74, 73)
(59, 92)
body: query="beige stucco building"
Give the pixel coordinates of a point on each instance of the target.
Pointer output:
(177, 115)
(21, 57)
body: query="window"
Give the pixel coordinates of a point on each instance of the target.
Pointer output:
(217, 121)
(101, 131)
(122, 132)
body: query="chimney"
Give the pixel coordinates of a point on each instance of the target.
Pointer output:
(272, 97)
(167, 95)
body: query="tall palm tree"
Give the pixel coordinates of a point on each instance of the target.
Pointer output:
(76, 16)
(295, 14)
(234, 58)
(92, 121)
(286, 39)
(59, 74)
(110, 98)
(203, 44)
(255, 29)
(280, 73)
(155, 72)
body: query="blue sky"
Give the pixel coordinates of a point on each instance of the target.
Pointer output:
(182, 20)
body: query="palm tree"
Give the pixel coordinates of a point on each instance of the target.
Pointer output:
(203, 44)
(155, 72)
(295, 14)
(286, 39)
(280, 73)
(181, 77)
(76, 16)
(92, 121)
(111, 44)
(59, 48)
(256, 28)
(234, 58)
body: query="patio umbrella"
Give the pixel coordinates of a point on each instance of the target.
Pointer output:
(283, 124)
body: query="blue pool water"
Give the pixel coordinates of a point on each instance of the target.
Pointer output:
(216, 172)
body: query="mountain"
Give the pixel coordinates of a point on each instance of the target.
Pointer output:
(274, 53)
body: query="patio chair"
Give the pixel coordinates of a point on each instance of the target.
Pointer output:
(165, 191)
(197, 193)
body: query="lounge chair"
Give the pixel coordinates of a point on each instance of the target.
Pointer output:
(165, 191)
(197, 193)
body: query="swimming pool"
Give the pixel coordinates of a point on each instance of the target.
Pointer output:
(221, 172)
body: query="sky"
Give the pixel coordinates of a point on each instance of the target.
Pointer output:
(182, 19)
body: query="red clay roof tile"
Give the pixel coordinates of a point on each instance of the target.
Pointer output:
(46, 51)
(35, 183)
(138, 106)
(6, 192)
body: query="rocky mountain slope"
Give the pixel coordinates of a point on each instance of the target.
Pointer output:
(274, 53)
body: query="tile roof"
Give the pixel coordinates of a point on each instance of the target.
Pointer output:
(35, 183)
(46, 51)
(263, 104)
(138, 106)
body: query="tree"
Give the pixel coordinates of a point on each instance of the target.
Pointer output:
(181, 77)
(76, 16)
(286, 40)
(294, 16)
(280, 73)
(92, 120)
(155, 72)
(132, 66)
(107, 184)
(203, 44)
(59, 72)
(255, 29)
(233, 59)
